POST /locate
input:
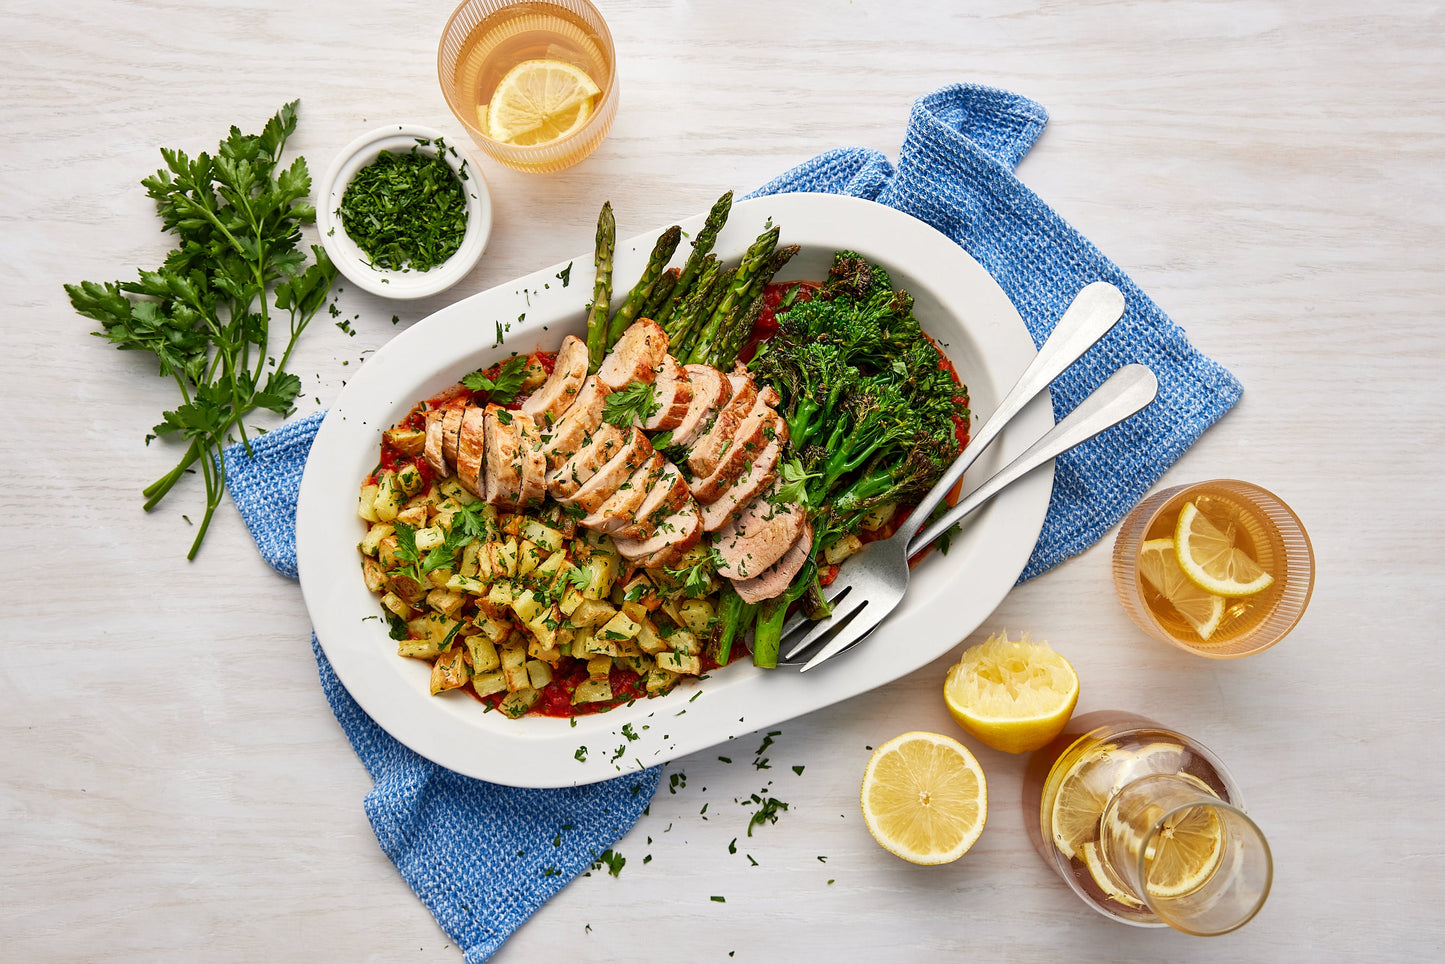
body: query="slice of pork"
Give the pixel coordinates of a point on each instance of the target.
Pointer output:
(451, 429)
(668, 494)
(747, 402)
(622, 504)
(711, 390)
(557, 393)
(672, 392)
(636, 357)
(677, 534)
(772, 581)
(534, 462)
(761, 428)
(596, 451)
(729, 505)
(600, 487)
(759, 537)
(576, 425)
(471, 448)
(432, 450)
(502, 478)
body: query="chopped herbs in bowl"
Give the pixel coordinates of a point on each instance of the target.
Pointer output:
(402, 213)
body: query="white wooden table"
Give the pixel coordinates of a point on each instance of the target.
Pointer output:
(173, 785)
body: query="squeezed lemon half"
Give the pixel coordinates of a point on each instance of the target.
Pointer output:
(537, 102)
(924, 798)
(1211, 560)
(1015, 696)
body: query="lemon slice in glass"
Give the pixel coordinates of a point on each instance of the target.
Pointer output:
(1184, 853)
(1159, 565)
(1111, 887)
(924, 798)
(537, 102)
(1014, 696)
(1081, 796)
(1211, 560)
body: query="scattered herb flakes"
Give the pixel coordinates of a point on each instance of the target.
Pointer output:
(499, 335)
(725, 759)
(580, 756)
(717, 898)
(751, 860)
(406, 212)
(647, 859)
(613, 860)
(676, 781)
(733, 846)
(768, 810)
(627, 731)
(565, 275)
(822, 860)
(798, 770)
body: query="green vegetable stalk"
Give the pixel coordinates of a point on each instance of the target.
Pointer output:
(661, 254)
(701, 248)
(600, 310)
(206, 312)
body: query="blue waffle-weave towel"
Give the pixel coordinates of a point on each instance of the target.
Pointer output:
(484, 857)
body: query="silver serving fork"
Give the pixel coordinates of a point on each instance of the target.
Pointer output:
(873, 583)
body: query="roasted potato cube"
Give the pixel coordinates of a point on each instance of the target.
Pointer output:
(418, 648)
(842, 549)
(439, 577)
(483, 653)
(879, 516)
(389, 497)
(409, 479)
(528, 557)
(396, 605)
(641, 594)
(539, 673)
(591, 612)
(518, 702)
(639, 664)
(660, 681)
(372, 574)
(446, 601)
(492, 628)
(407, 588)
(366, 502)
(571, 599)
(541, 534)
(452, 489)
(449, 671)
(534, 375)
(675, 661)
(619, 627)
(429, 538)
(408, 441)
(371, 542)
(513, 656)
(649, 640)
(488, 683)
(469, 558)
(599, 667)
(466, 584)
(592, 691)
(697, 615)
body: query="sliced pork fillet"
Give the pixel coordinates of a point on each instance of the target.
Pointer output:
(738, 496)
(719, 440)
(622, 504)
(759, 537)
(711, 390)
(668, 494)
(677, 534)
(772, 581)
(502, 471)
(451, 429)
(636, 357)
(600, 487)
(672, 393)
(557, 393)
(432, 448)
(596, 451)
(576, 425)
(471, 448)
(534, 462)
(761, 427)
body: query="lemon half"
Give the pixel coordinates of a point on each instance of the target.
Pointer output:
(1014, 696)
(924, 798)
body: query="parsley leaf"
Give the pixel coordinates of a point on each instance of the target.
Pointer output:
(503, 388)
(632, 402)
(795, 481)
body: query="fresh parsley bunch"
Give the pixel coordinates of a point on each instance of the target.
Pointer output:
(206, 312)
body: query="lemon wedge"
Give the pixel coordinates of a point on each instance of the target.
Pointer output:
(1211, 560)
(1105, 879)
(1159, 565)
(537, 102)
(1015, 696)
(924, 798)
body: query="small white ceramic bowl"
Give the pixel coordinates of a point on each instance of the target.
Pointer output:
(400, 138)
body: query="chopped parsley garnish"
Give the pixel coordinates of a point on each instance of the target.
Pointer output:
(504, 387)
(406, 212)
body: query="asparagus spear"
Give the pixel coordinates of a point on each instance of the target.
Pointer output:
(734, 617)
(754, 262)
(660, 293)
(701, 248)
(602, 289)
(739, 328)
(661, 255)
(681, 323)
